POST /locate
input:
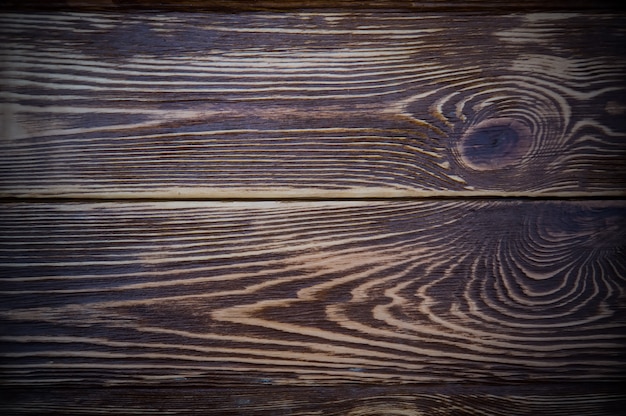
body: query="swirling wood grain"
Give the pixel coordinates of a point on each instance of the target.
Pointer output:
(311, 104)
(313, 293)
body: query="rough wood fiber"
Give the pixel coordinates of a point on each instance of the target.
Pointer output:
(319, 294)
(312, 104)
(345, 308)
(596, 400)
(492, 6)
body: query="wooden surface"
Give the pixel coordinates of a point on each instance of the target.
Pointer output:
(347, 212)
(316, 104)
(491, 6)
(550, 400)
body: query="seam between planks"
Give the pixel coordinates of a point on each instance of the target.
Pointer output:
(11, 200)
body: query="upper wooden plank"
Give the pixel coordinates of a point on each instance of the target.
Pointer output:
(312, 104)
(282, 5)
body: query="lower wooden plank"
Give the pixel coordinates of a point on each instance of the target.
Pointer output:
(312, 293)
(548, 400)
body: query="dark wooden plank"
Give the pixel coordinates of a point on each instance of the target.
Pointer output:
(317, 293)
(315, 104)
(594, 399)
(492, 6)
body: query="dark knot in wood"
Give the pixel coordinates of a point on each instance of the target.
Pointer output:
(495, 144)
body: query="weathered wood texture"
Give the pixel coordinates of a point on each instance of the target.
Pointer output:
(355, 307)
(317, 293)
(492, 6)
(595, 399)
(328, 104)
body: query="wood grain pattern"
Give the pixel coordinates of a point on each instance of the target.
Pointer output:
(312, 104)
(318, 293)
(596, 400)
(350, 307)
(492, 6)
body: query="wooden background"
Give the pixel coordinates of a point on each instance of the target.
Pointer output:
(400, 209)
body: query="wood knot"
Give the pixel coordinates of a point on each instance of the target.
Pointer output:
(495, 144)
